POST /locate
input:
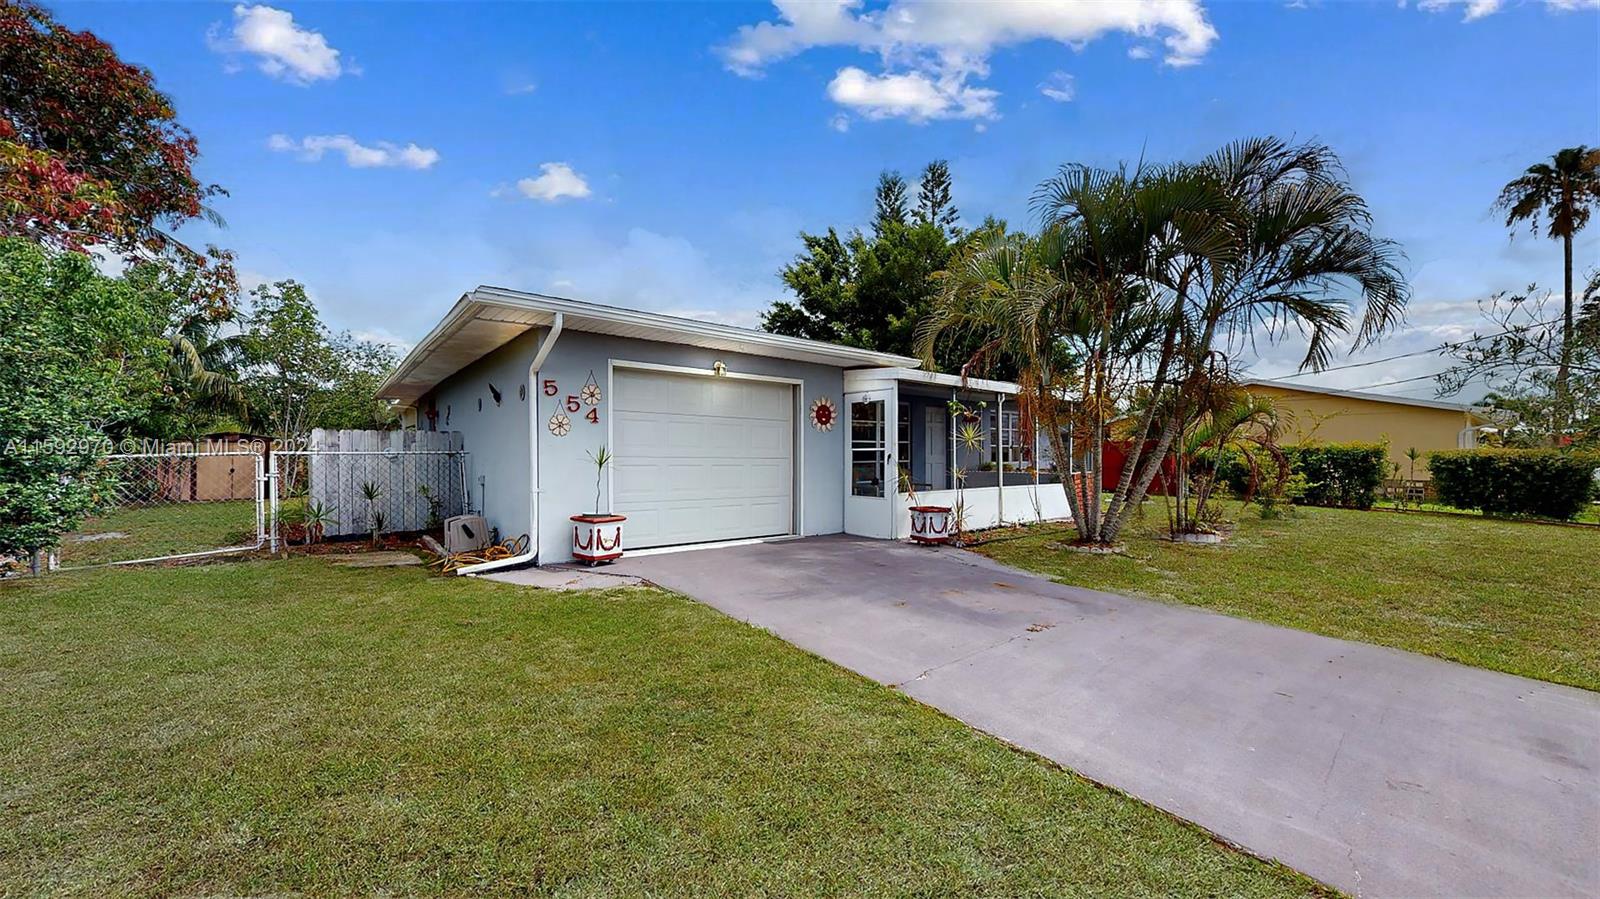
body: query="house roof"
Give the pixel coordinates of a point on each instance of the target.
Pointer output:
(1467, 408)
(861, 380)
(487, 318)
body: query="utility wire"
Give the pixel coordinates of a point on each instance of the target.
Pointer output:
(1427, 352)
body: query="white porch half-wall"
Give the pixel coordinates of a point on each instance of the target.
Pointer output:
(1022, 500)
(1024, 504)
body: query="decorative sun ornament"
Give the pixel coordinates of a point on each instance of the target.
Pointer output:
(823, 413)
(560, 425)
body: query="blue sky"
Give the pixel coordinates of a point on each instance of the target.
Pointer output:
(664, 156)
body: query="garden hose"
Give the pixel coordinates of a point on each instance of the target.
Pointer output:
(509, 548)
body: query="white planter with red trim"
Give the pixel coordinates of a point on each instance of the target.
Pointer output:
(597, 538)
(930, 524)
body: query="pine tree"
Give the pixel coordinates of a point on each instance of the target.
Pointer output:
(934, 205)
(891, 202)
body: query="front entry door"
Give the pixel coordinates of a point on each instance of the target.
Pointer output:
(870, 480)
(937, 448)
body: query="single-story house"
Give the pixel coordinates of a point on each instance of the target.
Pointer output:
(719, 433)
(1330, 415)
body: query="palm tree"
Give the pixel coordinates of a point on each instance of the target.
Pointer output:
(1562, 193)
(202, 360)
(1152, 277)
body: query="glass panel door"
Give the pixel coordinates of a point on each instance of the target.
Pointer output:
(867, 448)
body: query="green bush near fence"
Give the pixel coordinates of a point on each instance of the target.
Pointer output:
(1342, 475)
(1542, 483)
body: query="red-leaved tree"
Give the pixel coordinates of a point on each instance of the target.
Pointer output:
(91, 153)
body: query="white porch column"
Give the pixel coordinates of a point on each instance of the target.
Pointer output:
(1000, 454)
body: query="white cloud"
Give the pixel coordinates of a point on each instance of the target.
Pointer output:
(1478, 9)
(930, 49)
(1138, 51)
(356, 155)
(282, 49)
(840, 123)
(1059, 87)
(913, 95)
(557, 181)
(1475, 9)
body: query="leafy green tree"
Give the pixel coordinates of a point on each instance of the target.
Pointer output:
(297, 375)
(871, 289)
(67, 335)
(1560, 194)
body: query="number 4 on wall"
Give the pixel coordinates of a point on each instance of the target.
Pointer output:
(594, 416)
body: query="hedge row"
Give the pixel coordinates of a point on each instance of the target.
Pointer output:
(1345, 475)
(1546, 483)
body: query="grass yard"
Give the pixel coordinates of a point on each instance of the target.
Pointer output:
(1512, 596)
(287, 726)
(146, 532)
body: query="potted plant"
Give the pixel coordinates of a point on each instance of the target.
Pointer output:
(929, 524)
(597, 538)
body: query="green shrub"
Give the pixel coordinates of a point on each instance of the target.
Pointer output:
(1344, 475)
(1545, 483)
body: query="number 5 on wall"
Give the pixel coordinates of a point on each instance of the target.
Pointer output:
(549, 387)
(572, 403)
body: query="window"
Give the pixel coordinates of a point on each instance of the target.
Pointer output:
(1008, 445)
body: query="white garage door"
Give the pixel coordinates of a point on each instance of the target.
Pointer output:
(702, 458)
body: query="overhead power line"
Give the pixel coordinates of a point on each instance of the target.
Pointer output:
(1427, 352)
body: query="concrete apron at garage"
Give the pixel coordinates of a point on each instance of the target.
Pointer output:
(1378, 771)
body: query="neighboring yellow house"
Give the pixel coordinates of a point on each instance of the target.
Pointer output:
(1327, 415)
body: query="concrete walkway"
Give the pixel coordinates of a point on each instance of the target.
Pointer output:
(1380, 772)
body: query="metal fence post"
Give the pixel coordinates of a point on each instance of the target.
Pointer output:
(272, 493)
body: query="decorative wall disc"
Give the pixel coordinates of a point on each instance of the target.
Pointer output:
(823, 413)
(560, 425)
(590, 394)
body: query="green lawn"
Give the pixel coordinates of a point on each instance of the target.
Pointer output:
(1512, 596)
(287, 726)
(145, 532)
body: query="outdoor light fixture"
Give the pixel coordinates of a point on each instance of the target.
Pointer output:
(718, 369)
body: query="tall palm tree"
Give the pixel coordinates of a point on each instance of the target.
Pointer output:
(1561, 193)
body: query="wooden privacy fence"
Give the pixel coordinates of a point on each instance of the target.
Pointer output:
(372, 480)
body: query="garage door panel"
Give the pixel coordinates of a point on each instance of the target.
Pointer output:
(702, 459)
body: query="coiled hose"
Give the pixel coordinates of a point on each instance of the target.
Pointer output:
(505, 549)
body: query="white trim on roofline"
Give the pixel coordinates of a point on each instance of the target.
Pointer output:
(864, 379)
(1360, 395)
(584, 316)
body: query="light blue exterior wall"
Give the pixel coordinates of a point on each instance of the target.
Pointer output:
(497, 438)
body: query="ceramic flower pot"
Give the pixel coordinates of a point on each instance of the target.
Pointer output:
(597, 538)
(930, 524)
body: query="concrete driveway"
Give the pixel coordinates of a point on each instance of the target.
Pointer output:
(1380, 772)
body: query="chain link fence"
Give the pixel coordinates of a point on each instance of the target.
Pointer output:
(325, 494)
(175, 505)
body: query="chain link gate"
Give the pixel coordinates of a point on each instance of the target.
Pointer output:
(317, 494)
(176, 505)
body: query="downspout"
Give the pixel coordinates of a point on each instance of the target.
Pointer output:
(1000, 462)
(531, 557)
